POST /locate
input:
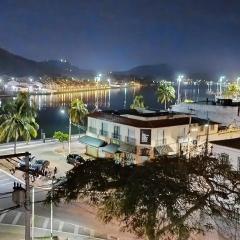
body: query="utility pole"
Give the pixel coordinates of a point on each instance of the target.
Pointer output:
(27, 198)
(69, 133)
(189, 133)
(207, 138)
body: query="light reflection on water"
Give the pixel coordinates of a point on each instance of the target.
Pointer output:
(93, 99)
(114, 98)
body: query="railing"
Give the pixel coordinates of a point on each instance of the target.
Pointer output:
(130, 140)
(103, 133)
(92, 130)
(116, 136)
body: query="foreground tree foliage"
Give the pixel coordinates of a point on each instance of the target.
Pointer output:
(18, 120)
(166, 197)
(138, 103)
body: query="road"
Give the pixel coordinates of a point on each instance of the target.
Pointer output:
(76, 217)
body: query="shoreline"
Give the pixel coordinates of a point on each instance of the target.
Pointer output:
(14, 94)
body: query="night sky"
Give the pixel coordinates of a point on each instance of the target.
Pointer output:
(192, 35)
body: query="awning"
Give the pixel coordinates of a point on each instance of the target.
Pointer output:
(164, 149)
(127, 148)
(95, 142)
(110, 148)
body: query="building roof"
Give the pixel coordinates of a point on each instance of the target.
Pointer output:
(231, 143)
(168, 121)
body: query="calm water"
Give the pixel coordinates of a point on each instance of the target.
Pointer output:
(51, 117)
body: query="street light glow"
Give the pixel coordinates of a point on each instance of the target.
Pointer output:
(221, 78)
(62, 111)
(180, 78)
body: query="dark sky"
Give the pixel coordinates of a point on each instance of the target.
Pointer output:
(120, 34)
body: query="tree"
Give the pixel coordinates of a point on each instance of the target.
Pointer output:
(18, 121)
(61, 137)
(166, 197)
(165, 93)
(78, 112)
(138, 103)
(233, 90)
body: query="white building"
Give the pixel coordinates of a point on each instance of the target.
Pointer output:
(226, 115)
(15, 86)
(138, 136)
(229, 150)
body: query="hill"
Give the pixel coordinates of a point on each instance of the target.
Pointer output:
(17, 66)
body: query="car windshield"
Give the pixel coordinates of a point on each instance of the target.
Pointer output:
(39, 162)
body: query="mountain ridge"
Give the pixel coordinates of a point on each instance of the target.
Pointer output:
(18, 66)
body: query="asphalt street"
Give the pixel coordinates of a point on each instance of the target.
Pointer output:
(75, 218)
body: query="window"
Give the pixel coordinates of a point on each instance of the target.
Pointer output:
(212, 127)
(224, 158)
(104, 128)
(116, 132)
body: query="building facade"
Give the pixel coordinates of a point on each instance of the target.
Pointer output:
(133, 136)
(228, 150)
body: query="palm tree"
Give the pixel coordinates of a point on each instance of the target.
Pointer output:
(28, 107)
(233, 90)
(165, 93)
(18, 120)
(77, 114)
(15, 125)
(138, 103)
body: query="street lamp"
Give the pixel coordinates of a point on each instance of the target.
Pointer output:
(238, 80)
(220, 84)
(62, 111)
(179, 79)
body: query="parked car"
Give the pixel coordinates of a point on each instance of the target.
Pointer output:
(74, 159)
(21, 163)
(40, 164)
(37, 165)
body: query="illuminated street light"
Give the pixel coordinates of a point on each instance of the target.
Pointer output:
(179, 79)
(220, 84)
(238, 80)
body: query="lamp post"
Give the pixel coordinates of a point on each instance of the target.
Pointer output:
(179, 79)
(33, 212)
(220, 84)
(62, 111)
(238, 80)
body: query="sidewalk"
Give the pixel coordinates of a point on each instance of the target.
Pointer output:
(13, 232)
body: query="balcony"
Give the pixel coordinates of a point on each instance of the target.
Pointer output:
(131, 141)
(116, 136)
(103, 133)
(92, 130)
